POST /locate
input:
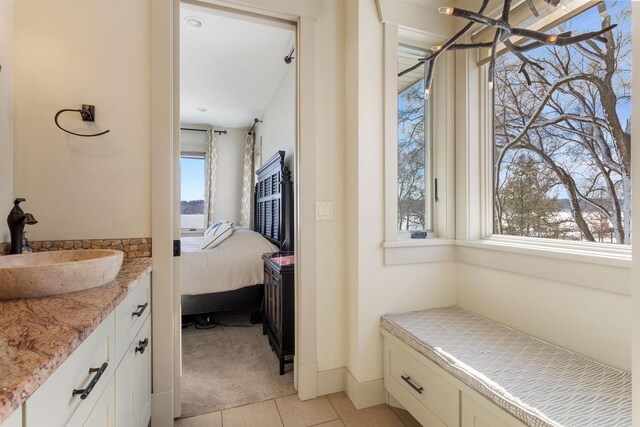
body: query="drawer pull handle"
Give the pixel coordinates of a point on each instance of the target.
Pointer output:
(85, 392)
(142, 345)
(141, 309)
(407, 380)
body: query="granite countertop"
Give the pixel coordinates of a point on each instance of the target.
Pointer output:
(38, 334)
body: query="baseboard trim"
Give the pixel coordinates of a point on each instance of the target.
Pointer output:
(162, 409)
(307, 381)
(364, 394)
(331, 381)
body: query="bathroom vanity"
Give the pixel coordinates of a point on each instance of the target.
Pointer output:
(79, 359)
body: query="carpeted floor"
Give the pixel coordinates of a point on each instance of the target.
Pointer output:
(225, 367)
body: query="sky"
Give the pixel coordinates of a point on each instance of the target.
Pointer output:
(590, 20)
(192, 179)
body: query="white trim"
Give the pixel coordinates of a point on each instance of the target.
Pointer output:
(415, 243)
(162, 409)
(620, 255)
(284, 9)
(364, 394)
(162, 194)
(441, 162)
(165, 130)
(331, 381)
(412, 16)
(305, 226)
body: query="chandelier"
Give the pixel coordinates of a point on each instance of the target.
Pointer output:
(503, 32)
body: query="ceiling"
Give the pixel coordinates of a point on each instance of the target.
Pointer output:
(230, 66)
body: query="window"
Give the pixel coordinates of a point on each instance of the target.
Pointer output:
(192, 188)
(567, 174)
(415, 203)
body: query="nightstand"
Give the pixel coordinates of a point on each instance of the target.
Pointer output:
(278, 321)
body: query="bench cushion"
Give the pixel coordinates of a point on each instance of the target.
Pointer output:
(539, 383)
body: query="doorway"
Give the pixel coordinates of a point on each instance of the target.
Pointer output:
(237, 111)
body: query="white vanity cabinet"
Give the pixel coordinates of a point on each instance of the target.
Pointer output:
(133, 381)
(106, 381)
(15, 420)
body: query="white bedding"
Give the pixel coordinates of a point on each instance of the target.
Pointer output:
(234, 264)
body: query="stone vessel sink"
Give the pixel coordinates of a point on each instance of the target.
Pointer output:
(51, 273)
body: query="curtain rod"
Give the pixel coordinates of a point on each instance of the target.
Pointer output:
(219, 132)
(255, 122)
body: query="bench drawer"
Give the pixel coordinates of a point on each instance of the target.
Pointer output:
(406, 376)
(131, 315)
(54, 402)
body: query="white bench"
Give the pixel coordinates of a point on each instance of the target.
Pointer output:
(451, 367)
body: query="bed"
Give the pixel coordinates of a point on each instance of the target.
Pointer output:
(230, 276)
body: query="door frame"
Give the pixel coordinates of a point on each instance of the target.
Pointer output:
(165, 128)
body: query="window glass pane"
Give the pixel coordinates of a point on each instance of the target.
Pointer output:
(414, 151)
(192, 192)
(568, 175)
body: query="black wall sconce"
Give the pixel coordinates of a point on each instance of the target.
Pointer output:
(88, 114)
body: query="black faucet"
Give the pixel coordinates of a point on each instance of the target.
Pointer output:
(17, 219)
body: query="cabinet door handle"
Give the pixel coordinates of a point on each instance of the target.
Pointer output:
(85, 392)
(142, 345)
(407, 380)
(141, 309)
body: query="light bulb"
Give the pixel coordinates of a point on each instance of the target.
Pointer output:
(445, 10)
(427, 92)
(552, 38)
(490, 85)
(436, 48)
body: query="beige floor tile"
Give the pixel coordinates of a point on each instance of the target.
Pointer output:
(263, 414)
(343, 405)
(406, 417)
(336, 423)
(376, 416)
(295, 413)
(209, 420)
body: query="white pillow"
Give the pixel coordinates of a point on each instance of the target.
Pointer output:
(217, 235)
(214, 226)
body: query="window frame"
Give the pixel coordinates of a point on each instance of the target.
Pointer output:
(194, 155)
(442, 153)
(482, 234)
(430, 179)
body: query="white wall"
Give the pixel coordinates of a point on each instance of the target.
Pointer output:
(278, 128)
(330, 139)
(373, 288)
(66, 54)
(6, 111)
(589, 321)
(230, 167)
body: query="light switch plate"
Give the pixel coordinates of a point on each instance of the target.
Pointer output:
(324, 211)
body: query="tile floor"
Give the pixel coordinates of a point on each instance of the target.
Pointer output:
(334, 410)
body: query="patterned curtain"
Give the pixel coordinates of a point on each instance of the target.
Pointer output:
(211, 167)
(247, 183)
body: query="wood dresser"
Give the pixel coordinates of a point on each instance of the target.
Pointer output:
(279, 321)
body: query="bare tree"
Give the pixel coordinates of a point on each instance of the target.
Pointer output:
(411, 159)
(572, 120)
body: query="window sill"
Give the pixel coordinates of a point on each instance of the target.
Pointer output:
(596, 253)
(192, 233)
(418, 251)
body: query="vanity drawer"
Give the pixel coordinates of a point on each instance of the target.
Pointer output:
(408, 378)
(131, 315)
(54, 403)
